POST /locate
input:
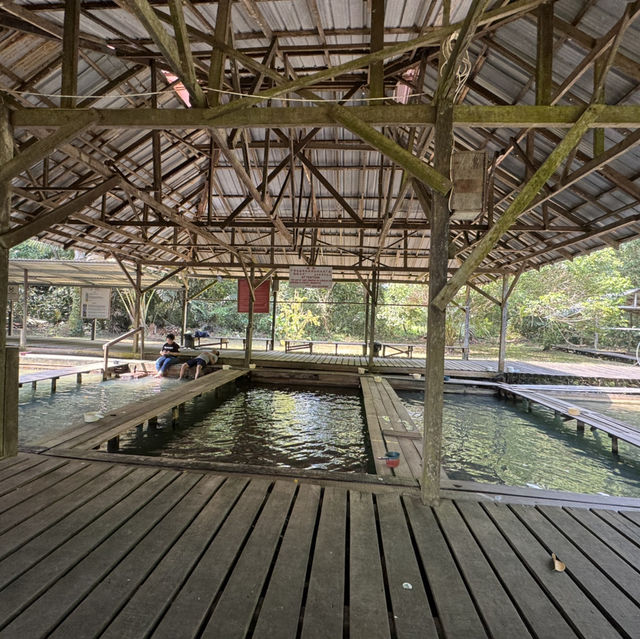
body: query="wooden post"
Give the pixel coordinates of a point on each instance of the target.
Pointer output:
(249, 338)
(467, 323)
(93, 329)
(137, 311)
(185, 311)
(376, 69)
(10, 324)
(70, 40)
(614, 444)
(372, 320)
(25, 310)
(436, 320)
(9, 405)
(366, 321)
(274, 293)
(502, 348)
(113, 445)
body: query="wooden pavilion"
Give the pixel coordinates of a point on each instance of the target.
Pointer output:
(241, 137)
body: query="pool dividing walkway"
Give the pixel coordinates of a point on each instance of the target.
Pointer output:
(136, 414)
(116, 550)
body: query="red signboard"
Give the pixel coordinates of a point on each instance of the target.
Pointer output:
(261, 303)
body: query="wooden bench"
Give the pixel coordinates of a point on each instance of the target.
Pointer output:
(291, 345)
(397, 349)
(214, 342)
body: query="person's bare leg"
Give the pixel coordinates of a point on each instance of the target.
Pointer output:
(183, 368)
(198, 369)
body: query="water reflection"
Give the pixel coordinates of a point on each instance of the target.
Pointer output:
(43, 414)
(488, 440)
(266, 426)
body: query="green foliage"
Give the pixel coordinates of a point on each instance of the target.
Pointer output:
(32, 249)
(293, 319)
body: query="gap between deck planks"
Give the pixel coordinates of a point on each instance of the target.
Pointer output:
(122, 552)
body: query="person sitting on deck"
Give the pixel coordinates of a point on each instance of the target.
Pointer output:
(205, 358)
(166, 359)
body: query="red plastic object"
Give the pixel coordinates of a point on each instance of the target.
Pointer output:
(392, 463)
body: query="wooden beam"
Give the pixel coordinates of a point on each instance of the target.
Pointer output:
(142, 10)
(376, 69)
(256, 15)
(327, 184)
(447, 74)
(265, 203)
(184, 51)
(515, 209)
(544, 55)
(216, 65)
(519, 116)
(40, 149)
(413, 165)
(45, 220)
(70, 39)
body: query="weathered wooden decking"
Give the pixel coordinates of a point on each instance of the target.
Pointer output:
(390, 429)
(615, 428)
(118, 421)
(55, 374)
(93, 549)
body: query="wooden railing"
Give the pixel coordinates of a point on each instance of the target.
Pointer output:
(108, 345)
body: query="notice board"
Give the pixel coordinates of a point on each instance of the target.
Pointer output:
(96, 303)
(310, 276)
(261, 303)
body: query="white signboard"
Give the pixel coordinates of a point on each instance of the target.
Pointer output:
(96, 303)
(12, 293)
(310, 276)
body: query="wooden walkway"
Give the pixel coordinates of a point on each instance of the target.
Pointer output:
(615, 428)
(93, 549)
(88, 436)
(391, 429)
(54, 375)
(478, 369)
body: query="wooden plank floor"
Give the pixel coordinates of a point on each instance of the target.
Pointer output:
(92, 549)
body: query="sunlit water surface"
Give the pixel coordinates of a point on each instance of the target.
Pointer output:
(493, 441)
(43, 414)
(266, 426)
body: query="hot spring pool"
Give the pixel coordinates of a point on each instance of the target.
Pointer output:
(266, 426)
(497, 442)
(485, 439)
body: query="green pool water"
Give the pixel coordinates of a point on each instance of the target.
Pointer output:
(266, 426)
(485, 439)
(42, 413)
(490, 440)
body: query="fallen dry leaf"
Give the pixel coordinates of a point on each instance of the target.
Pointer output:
(557, 564)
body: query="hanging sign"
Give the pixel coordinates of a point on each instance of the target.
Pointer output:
(310, 276)
(96, 303)
(261, 302)
(12, 293)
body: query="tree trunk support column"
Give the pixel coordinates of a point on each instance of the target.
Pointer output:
(8, 356)
(249, 338)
